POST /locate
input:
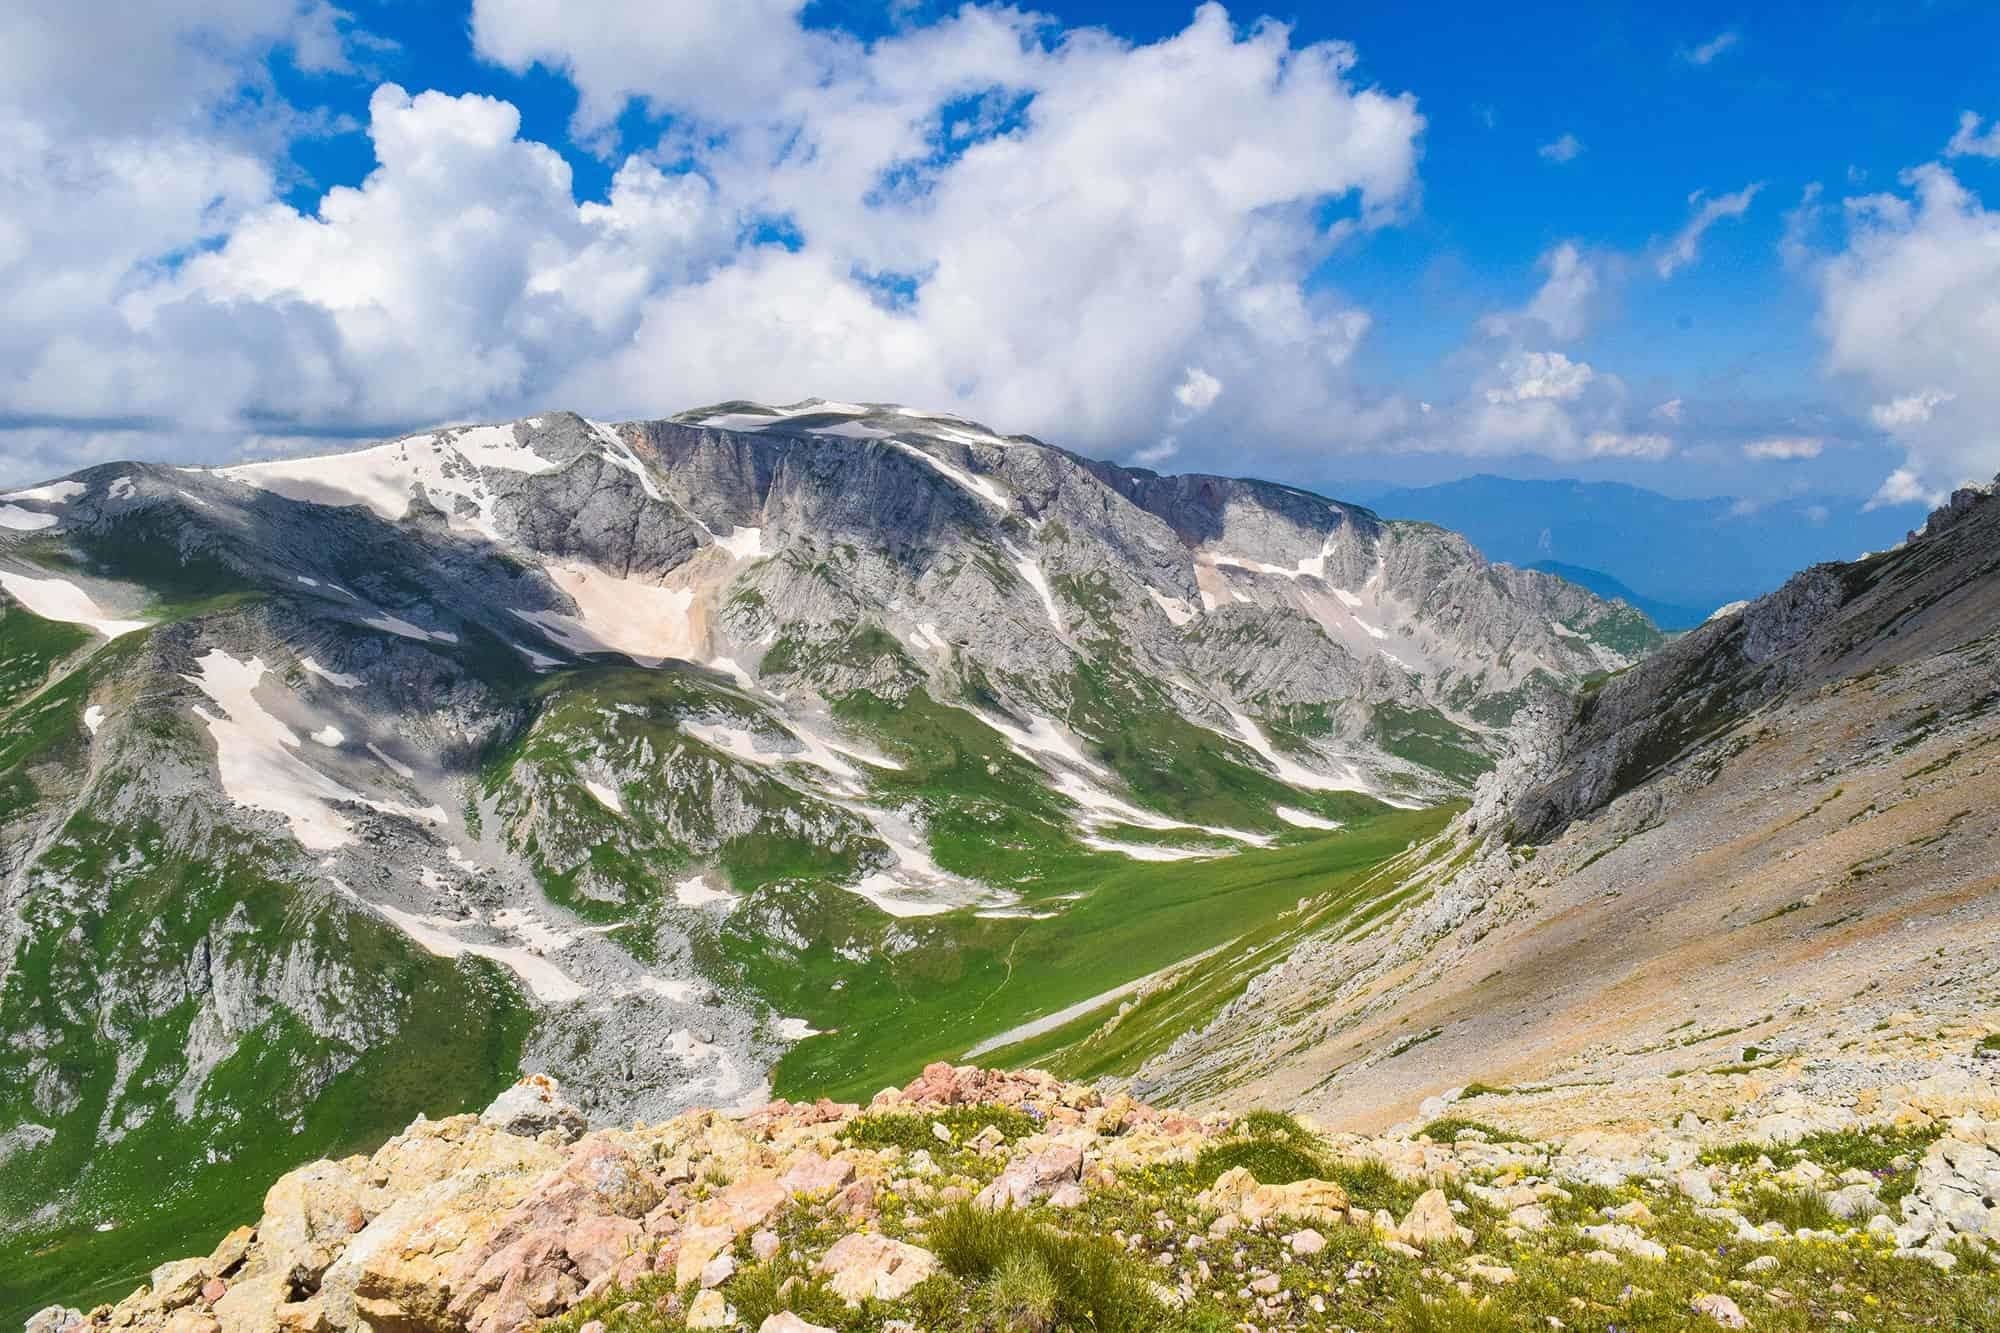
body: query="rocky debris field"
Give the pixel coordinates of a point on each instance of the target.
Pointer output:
(973, 1200)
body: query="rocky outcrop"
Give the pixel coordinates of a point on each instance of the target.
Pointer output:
(462, 1224)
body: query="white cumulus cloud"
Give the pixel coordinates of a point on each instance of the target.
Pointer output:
(1969, 141)
(1784, 448)
(1685, 247)
(1566, 148)
(1706, 52)
(1906, 307)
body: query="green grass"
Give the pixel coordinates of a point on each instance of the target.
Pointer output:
(1427, 737)
(1447, 1130)
(954, 979)
(910, 1131)
(1793, 1209)
(1023, 1266)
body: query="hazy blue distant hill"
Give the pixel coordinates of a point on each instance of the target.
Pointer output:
(1667, 615)
(1684, 553)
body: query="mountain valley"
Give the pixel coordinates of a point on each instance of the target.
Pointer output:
(815, 742)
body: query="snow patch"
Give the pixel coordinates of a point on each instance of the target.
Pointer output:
(25, 520)
(396, 766)
(1043, 736)
(619, 454)
(55, 493)
(544, 979)
(1031, 572)
(93, 718)
(500, 447)
(978, 486)
(1290, 771)
(255, 760)
(330, 736)
(647, 622)
(793, 1029)
(1145, 851)
(536, 933)
(1301, 819)
(1177, 609)
(59, 599)
(607, 797)
(743, 543)
(397, 625)
(337, 679)
(697, 892)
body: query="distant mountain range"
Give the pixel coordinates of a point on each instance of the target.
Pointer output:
(1678, 559)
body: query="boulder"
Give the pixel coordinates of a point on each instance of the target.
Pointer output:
(310, 1215)
(1028, 1180)
(1237, 1192)
(1720, 1309)
(179, 1282)
(534, 1107)
(863, 1266)
(786, 1322)
(1431, 1223)
(55, 1319)
(709, 1310)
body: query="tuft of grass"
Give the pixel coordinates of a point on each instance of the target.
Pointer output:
(1022, 1294)
(1097, 1286)
(787, 1282)
(1272, 1162)
(1262, 1124)
(1990, 1042)
(910, 1131)
(1793, 1208)
(1452, 1313)
(1448, 1129)
(1372, 1185)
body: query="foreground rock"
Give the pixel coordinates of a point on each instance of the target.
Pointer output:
(790, 1214)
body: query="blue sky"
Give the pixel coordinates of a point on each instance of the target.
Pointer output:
(1734, 250)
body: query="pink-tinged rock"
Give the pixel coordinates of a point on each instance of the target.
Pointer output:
(1721, 1309)
(863, 1266)
(596, 1245)
(600, 1177)
(739, 1207)
(764, 1246)
(857, 1200)
(718, 1270)
(529, 1279)
(698, 1245)
(1069, 1194)
(213, 1290)
(813, 1174)
(1031, 1179)
(786, 1322)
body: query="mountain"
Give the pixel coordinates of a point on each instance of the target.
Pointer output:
(1698, 554)
(1746, 854)
(1663, 614)
(758, 747)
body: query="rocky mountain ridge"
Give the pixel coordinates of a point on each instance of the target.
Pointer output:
(1767, 839)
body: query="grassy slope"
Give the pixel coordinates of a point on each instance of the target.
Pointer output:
(170, 1184)
(947, 982)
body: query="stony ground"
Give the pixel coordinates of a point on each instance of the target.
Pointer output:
(975, 1200)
